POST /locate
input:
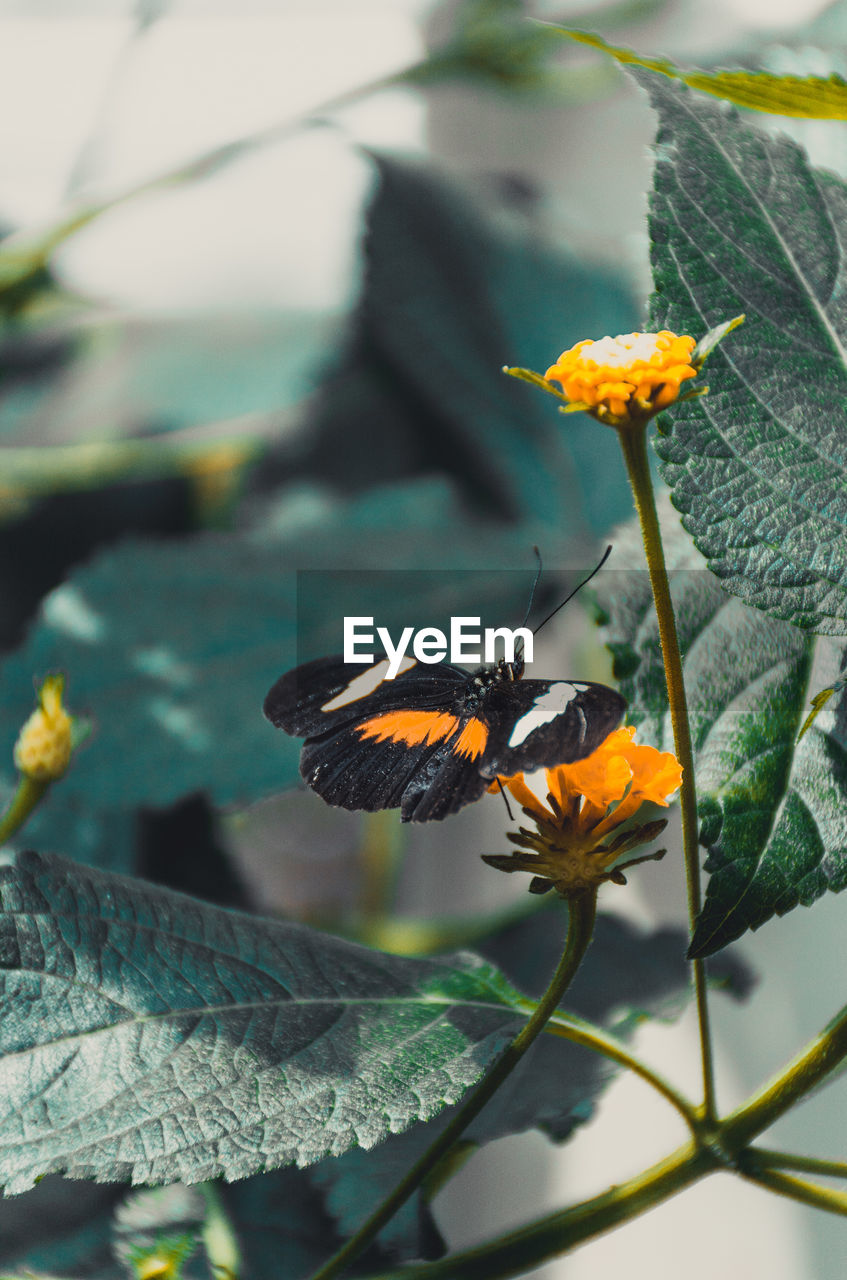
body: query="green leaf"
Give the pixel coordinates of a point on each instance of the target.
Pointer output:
(806, 97)
(773, 810)
(742, 223)
(147, 1036)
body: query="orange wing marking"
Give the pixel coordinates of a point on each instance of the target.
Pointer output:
(471, 741)
(411, 727)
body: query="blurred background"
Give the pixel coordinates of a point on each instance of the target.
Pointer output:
(261, 265)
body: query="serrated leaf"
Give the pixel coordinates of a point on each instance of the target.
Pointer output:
(741, 222)
(806, 97)
(773, 811)
(147, 1036)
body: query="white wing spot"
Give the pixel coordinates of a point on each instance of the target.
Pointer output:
(546, 708)
(364, 684)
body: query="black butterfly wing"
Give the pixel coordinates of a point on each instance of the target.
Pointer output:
(426, 781)
(542, 723)
(357, 754)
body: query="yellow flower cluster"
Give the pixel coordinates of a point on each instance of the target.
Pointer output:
(631, 376)
(586, 803)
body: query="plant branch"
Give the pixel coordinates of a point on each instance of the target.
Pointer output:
(765, 1158)
(582, 911)
(633, 440)
(799, 1189)
(601, 1042)
(517, 1252)
(808, 1069)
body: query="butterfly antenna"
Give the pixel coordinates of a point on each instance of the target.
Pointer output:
(532, 589)
(584, 582)
(519, 652)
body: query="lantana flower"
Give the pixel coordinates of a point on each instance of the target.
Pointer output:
(578, 836)
(625, 379)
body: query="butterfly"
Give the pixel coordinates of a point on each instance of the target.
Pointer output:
(434, 738)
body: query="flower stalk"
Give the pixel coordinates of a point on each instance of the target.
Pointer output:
(634, 446)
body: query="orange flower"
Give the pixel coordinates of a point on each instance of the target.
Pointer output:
(625, 379)
(586, 802)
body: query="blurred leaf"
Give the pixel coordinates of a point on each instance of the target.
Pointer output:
(627, 977)
(758, 467)
(773, 810)
(809, 97)
(493, 44)
(446, 302)
(133, 375)
(60, 1228)
(163, 1223)
(66, 1228)
(284, 1231)
(150, 1037)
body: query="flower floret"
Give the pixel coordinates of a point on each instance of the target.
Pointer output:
(632, 375)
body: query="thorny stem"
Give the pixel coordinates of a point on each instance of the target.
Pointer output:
(633, 441)
(582, 911)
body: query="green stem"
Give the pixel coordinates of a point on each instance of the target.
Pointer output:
(634, 445)
(799, 1189)
(23, 802)
(582, 911)
(517, 1252)
(803, 1073)
(596, 1039)
(219, 1239)
(765, 1158)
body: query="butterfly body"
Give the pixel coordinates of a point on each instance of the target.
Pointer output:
(435, 737)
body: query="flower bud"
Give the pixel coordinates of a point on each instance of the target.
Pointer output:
(43, 748)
